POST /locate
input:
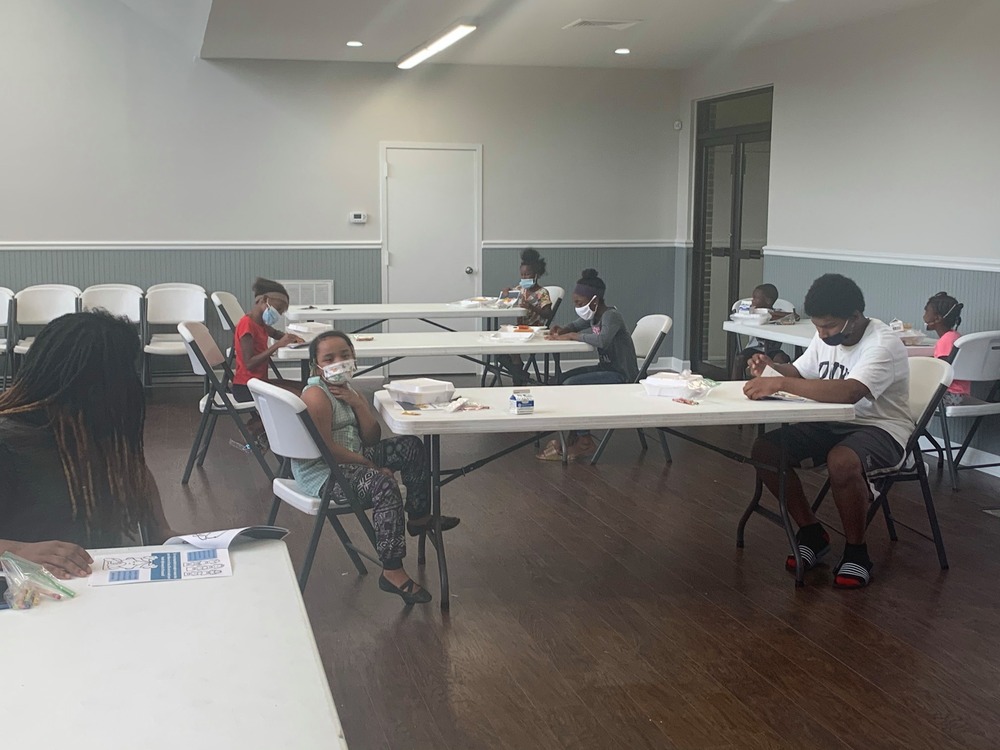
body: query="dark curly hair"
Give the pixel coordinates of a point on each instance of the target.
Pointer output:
(949, 308)
(590, 280)
(834, 295)
(534, 261)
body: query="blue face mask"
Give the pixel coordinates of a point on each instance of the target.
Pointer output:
(271, 316)
(527, 283)
(838, 338)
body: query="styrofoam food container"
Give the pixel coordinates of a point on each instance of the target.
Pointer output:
(421, 390)
(534, 329)
(910, 336)
(515, 335)
(308, 330)
(668, 384)
(751, 318)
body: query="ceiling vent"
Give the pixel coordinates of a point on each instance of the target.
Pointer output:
(594, 23)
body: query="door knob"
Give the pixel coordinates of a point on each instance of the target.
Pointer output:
(470, 270)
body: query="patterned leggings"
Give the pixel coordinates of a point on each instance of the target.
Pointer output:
(381, 493)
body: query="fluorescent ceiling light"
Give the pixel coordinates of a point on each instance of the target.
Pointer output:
(355, 44)
(442, 42)
(622, 51)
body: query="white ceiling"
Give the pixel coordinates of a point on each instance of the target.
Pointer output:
(673, 33)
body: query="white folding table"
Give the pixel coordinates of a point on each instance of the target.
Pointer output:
(801, 334)
(227, 662)
(428, 312)
(593, 407)
(473, 345)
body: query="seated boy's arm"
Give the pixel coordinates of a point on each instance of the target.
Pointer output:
(848, 391)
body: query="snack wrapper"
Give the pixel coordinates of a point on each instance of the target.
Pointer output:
(29, 583)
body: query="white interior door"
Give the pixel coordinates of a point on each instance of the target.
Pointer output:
(431, 223)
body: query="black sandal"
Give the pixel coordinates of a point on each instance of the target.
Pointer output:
(414, 528)
(409, 592)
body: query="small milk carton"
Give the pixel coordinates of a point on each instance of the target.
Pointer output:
(521, 401)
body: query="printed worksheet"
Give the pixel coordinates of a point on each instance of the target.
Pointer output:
(223, 539)
(147, 567)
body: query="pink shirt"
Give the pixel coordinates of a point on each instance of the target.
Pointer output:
(943, 348)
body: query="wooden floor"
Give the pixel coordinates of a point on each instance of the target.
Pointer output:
(608, 607)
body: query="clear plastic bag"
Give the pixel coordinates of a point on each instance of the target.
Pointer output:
(29, 583)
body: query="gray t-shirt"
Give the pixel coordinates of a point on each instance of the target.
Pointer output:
(612, 339)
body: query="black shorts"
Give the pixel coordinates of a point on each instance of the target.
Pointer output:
(240, 392)
(877, 449)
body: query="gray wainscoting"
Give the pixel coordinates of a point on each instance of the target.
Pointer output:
(641, 280)
(897, 291)
(356, 272)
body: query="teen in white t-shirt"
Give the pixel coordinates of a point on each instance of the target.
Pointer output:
(878, 360)
(852, 360)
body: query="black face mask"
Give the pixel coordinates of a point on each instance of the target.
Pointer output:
(838, 338)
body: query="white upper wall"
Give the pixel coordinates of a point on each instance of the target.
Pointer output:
(882, 135)
(113, 131)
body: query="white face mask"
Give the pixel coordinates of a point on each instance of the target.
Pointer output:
(339, 372)
(586, 312)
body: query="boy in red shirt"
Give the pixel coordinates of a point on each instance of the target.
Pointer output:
(253, 355)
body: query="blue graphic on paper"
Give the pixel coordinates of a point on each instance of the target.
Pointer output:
(202, 554)
(116, 576)
(167, 566)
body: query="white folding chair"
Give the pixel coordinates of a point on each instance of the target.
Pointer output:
(123, 300)
(6, 302)
(176, 285)
(929, 380)
(977, 359)
(205, 358)
(293, 434)
(230, 312)
(647, 337)
(168, 306)
(38, 306)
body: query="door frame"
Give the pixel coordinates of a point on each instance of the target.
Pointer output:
(738, 138)
(383, 148)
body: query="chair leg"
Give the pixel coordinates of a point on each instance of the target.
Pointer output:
(600, 448)
(249, 440)
(925, 488)
(348, 544)
(967, 442)
(214, 420)
(821, 496)
(273, 515)
(642, 440)
(758, 490)
(194, 448)
(890, 525)
(936, 447)
(946, 437)
(310, 552)
(666, 448)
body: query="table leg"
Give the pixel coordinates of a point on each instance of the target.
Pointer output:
(422, 539)
(783, 507)
(436, 520)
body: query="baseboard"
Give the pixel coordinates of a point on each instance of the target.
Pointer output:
(972, 456)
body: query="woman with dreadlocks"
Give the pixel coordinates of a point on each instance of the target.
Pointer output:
(72, 469)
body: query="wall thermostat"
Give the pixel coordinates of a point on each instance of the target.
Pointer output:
(358, 217)
(678, 124)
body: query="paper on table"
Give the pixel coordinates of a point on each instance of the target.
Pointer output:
(770, 372)
(223, 539)
(146, 567)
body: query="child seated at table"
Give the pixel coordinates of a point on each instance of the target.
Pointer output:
(73, 471)
(765, 297)
(537, 304)
(603, 327)
(943, 315)
(250, 341)
(353, 434)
